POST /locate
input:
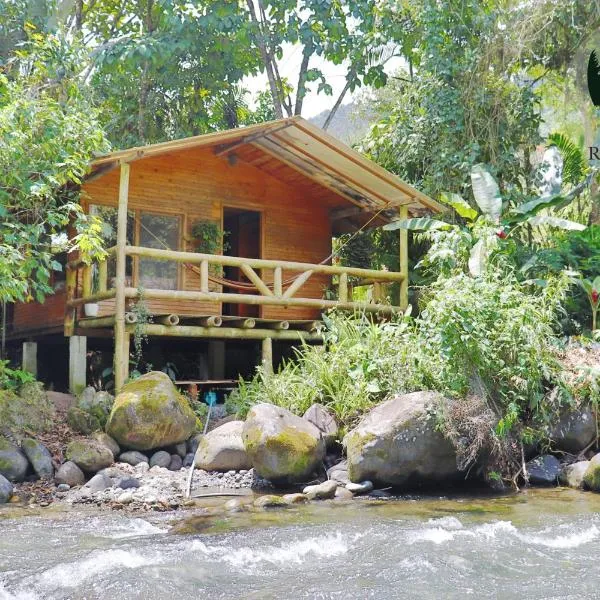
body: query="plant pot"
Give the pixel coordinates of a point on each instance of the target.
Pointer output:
(91, 309)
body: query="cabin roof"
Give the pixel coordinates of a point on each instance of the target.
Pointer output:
(290, 147)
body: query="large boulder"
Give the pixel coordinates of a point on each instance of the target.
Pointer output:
(543, 470)
(397, 444)
(6, 489)
(324, 420)
(591, 477)
(575, 431)
(89, 455)
(150, 413)
(39, 457)
(13, 464)
(282, 447)
(572, 475)
(222, 449)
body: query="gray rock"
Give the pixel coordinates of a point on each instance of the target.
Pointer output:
(295, 498)
(339, 473)
(543, 470)
(150, 413)
(89, 455)
(99, 482)
(282, 447)
(591, 477)
(193, 442)
(160, 459)
(575, 431)
(322, 491)
(397, 443)
(39, 457)
(82, 421)
(106, 440)
(572, 475)
(128, 483)
(222, 449)
(341, 493)
(364, 487)
(6, 489)
(179, 449)
(324, 420)
(86, 399)
(63, 487)
(133, 458)
(13, 464)
(125, 498)
(70, 474)
(188, 461)
(176, 463)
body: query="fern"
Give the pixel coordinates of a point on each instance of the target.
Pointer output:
(574, 165)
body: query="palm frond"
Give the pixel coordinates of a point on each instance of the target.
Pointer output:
(574, 164)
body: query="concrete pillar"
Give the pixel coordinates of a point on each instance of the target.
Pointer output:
(216, 359)
(77, 363)
(29, 362)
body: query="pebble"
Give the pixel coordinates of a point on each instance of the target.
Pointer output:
(63, 487)
(125, 498)
(127, 483)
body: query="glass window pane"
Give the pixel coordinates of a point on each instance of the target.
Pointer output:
(162, 232)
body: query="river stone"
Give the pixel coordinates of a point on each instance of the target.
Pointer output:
(364, 487)
(81, 421)
(6, 489)
(324, 420)
(572, 475)
(543, 470)
(133, 458)
(270, 501)
(106, 440)
(282, 447)
(322, 491)
(575, 431)
(176, 463)
(99, 482)
(295, 498)
(179, 449)
(39, 457)
(188, 461)
(222, 449)
(339, 472)
(89, 455)
(591, 477)
(150, 413)
(70, 474)
(160, 459)
(397, 444)
(341, 493)
(13, 464)
(128, 483)
(194, 442)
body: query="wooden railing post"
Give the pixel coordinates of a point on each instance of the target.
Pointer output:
(86, 281)
(278, 281)
(103, 275)
(404, 260)
(71, 284)
(121, 356)
(343, 287)
(204, 276)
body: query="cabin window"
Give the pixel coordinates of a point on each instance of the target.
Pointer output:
(108, 220)
(162, 232)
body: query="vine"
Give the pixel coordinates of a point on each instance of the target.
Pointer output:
(140, 337)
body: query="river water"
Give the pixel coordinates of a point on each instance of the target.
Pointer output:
(539, 544)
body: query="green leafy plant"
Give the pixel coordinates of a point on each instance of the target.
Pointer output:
(13, 379)
(210, 238)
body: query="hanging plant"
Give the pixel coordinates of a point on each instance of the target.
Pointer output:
(209, 237)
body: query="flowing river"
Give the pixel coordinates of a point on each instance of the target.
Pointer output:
(538, 544)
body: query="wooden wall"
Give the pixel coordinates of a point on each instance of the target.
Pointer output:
(196, 184)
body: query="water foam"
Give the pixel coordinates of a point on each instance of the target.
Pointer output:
(70, 575)
(247, 558)
(133, 528)
(572, 540)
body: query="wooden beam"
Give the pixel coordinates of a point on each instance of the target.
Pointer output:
(343, 287)
(298, 283)
(192, 331)
(204, 276)
(352, 211)
(168, 320)
(212, 321)
(251, 274)
(278, 281)
(103, 276)
(95, 322)
(280, 325)
(403, 241)
(267, 355)
(74, 302)
(121, 357)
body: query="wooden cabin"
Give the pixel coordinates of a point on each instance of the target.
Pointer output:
(222, 237)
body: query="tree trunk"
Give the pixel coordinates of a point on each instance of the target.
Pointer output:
(337, 104)
(301, 91)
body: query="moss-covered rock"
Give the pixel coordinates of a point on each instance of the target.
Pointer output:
(150, 413)
(282, 447)
(106, 440)
(591, 477)
(39, 457)
(89, 455)
(82, 421)
(29, 411)
(13, 464)
(6, 489)
(222, 449)
(398, 444)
